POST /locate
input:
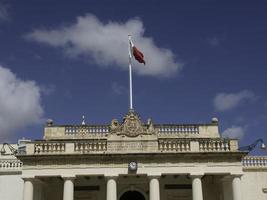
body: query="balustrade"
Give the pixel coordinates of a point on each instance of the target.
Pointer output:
(49, 147)
(164, 144)
(254, 161)
(9, 164)
(84, 130)
(214, 145)
(174, 145)
(177, 129)
(89, 146)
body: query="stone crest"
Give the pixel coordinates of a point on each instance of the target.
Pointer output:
(131, 126)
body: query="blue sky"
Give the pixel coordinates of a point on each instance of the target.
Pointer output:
(64, 59)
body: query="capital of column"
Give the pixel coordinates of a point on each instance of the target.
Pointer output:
(154, 177)
(111, 178)
(71, 178)
(192, 176)
(28, 179)
(231, 177)
(236, 175)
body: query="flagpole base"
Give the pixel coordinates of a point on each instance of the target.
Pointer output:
(131, 110)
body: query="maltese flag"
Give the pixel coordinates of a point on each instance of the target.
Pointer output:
(138, 55)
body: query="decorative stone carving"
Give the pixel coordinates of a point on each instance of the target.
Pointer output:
(114, 124)
(131, 126)
(150, 125)
(49, 122)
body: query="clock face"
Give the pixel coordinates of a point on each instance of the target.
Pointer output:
(132, 166)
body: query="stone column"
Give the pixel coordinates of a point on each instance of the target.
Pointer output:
(236, 185)
(154, 189)
(197, 187)
(68, 190)
(111, 189)
(28, 189)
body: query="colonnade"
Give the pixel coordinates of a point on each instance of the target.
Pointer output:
(111, 189)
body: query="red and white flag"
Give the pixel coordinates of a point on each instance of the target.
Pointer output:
(138, 55)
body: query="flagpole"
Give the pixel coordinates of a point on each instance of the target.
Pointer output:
(130, 75)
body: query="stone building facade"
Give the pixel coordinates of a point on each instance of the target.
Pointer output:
(130, 159)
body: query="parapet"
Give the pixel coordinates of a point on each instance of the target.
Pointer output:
(131, 127)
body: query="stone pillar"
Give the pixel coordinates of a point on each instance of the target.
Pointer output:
(236, 185)
(154, 189)
(197, 187)
(111, 189)
(28, 189)
(68, 190)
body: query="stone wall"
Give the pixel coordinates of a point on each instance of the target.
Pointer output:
(11, 187)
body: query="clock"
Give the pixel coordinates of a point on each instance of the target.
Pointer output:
(132, 166)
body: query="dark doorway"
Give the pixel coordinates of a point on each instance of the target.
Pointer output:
(132, 195)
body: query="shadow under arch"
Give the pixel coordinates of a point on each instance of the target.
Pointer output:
(132, 195)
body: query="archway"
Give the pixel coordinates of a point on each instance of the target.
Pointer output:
(132, 195)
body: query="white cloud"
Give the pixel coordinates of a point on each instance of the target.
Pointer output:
(19, 104)
(235, 132)
(3, 12)
(227, 101)
(118, 89)
(107, 44)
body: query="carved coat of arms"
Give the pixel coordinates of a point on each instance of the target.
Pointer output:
(131, 126)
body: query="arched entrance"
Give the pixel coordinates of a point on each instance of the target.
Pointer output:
(132, 195)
